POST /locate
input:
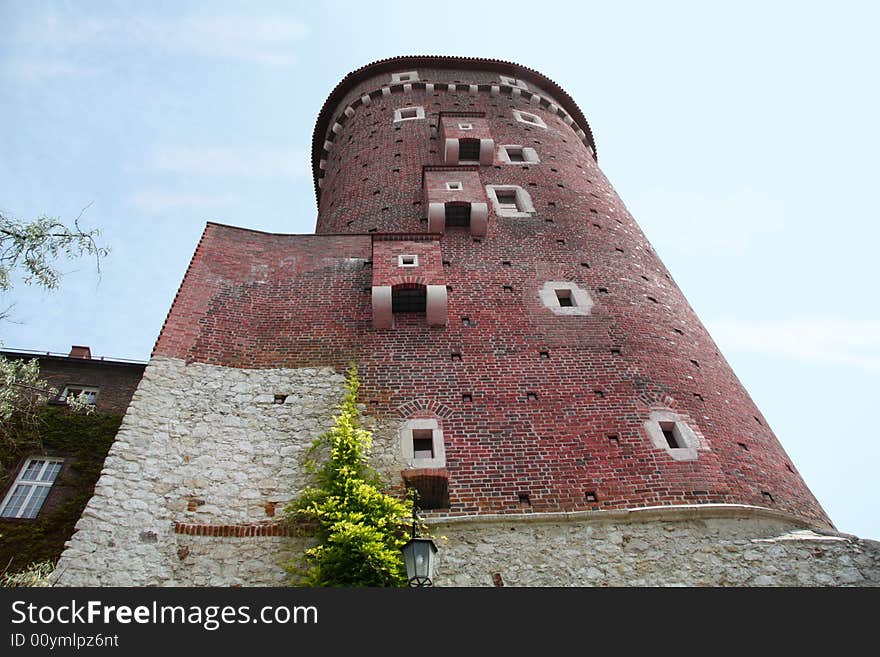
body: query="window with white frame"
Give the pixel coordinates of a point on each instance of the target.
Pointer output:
(515, 154)
(453, 186)
(409, 114)
(670, 432)
(510, 200)
(74, 391)
(566, 298)
(529, 118)
(408, 260)
(31, 487)
(421, 443)
(465, 126)
(408, 76)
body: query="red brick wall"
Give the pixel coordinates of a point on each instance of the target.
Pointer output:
(258, 300)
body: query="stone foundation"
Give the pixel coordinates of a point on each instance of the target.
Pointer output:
(688, 546)
(207, 446)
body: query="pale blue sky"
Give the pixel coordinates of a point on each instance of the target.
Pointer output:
(742, 136)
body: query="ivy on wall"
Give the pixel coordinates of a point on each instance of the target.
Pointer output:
(83, 441)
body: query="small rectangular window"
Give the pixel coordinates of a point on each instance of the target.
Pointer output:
(515, 155)
(72, 391)
(407, 261)
(31, 488)
(565, 299)
(669, 433)
(423, 443)
(465, 126)
(454, 186)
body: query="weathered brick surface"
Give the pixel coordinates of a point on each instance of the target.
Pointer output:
(539, 404)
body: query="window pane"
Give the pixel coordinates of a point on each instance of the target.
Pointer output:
(51, 471)
(36, 501)
(32, 471)
(16, 500)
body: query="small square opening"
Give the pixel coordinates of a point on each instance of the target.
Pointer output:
(506, 199)
(465, 126)
(407, 261)
(453, 186)
(423, 443)
(524, 499)
(409, 113)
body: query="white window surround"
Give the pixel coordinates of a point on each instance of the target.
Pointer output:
(513, 82)
(409, 114)
(581, 301)
(685, 436)
(408, 260)
(529, 155)
(465, 126)
(91, 393)
(408, 76)
(454, 186)
(528, 118)
(31, 487)
(406, 443)
(524, 206)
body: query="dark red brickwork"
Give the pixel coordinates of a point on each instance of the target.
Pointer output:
(116, 380)
(541, 411)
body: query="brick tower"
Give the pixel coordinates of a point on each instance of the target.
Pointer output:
(527, 364)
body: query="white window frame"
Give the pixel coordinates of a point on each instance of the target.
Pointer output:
(90, 391)
(33, 485)
(406, 443)
(465, 126)
(687, 439)
(530, 155)
(404, 76)
(529, 119)
(401, 260)
(454, 186)
(419, 113)
(581, 301)
(524, 205)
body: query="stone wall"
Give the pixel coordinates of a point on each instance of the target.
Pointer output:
(692, 546)
(204, 459)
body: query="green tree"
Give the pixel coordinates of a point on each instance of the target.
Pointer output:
(360, 529)
(32, 249)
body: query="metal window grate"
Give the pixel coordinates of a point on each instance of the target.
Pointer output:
(458, 214)
(408, 300)
(468, 149)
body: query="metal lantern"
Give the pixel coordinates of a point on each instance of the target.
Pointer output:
(418, 554)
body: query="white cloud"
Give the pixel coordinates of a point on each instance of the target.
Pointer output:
(245, 162)
(847, 342)
(690, 223)
(262, 40)
(159, 201)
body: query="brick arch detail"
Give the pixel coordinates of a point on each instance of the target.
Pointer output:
(412, 407)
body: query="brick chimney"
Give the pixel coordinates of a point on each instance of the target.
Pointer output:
(77, 351)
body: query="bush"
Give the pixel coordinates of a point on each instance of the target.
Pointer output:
(360, 529)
